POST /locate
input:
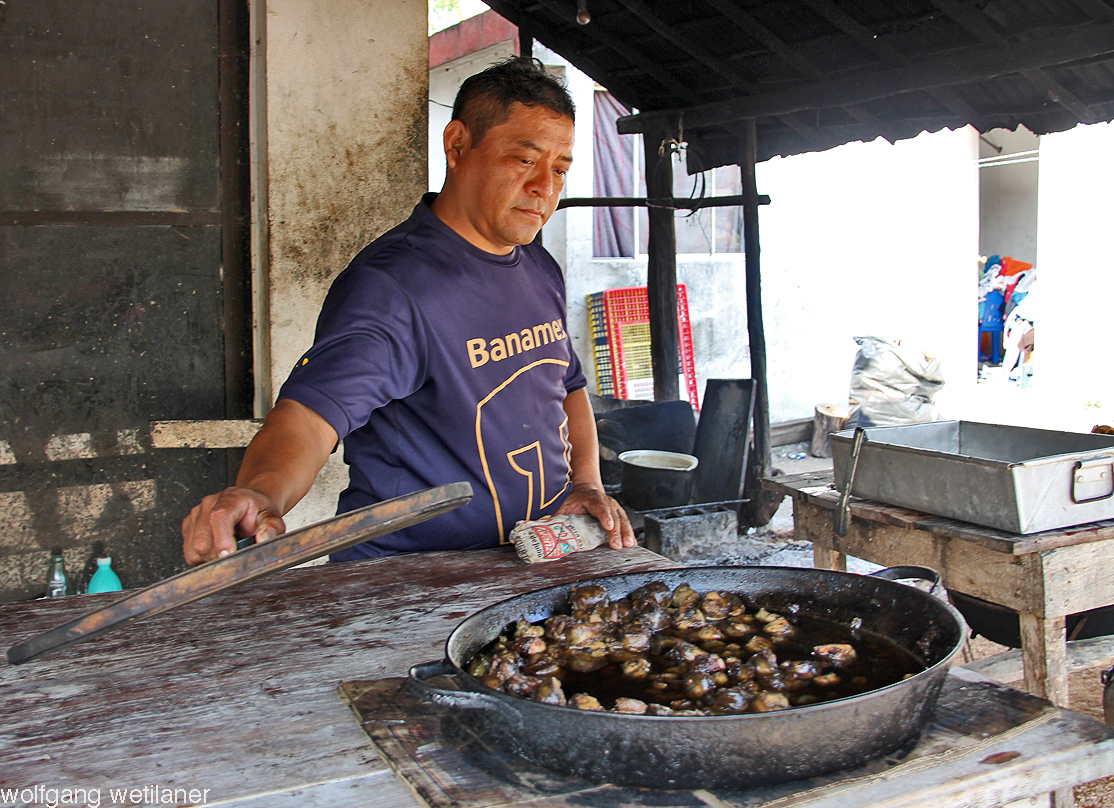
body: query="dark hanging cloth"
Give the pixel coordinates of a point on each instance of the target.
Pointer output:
(613, 234)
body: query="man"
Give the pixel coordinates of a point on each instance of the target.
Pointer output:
(441, 354)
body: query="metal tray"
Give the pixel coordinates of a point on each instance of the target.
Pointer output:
(1016, 479)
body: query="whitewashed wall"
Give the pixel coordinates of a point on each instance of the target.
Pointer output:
(346, 83)
(444, 81)
(1008, 196)
(864, 239)
(1074, 373)
(869, 239)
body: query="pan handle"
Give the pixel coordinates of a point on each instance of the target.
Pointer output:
(460, 699)
(923, 573)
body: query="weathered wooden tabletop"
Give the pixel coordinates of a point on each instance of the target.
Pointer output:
(233, 701)
(237, 693)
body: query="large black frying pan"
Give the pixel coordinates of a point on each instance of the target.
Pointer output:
(736, 751)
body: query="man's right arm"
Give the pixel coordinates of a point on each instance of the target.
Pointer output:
(279, 467)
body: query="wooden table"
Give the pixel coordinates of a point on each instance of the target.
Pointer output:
(1043, 576)
(232, 700)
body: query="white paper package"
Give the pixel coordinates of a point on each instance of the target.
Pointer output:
(555, 537)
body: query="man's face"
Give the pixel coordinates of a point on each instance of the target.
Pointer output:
(510, 183)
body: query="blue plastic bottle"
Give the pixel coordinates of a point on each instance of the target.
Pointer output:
(104, 579)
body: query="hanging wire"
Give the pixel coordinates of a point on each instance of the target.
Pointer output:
(679, 147)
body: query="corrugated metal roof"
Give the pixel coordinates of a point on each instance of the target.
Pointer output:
(814, 74)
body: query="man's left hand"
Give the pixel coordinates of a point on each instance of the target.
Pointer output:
(592, 499)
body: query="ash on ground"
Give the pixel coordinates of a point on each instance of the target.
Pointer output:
(774, 544)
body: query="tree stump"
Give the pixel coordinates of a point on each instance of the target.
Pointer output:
(828, 418)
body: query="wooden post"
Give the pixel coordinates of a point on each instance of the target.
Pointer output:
(661, 270)
(525, 43)
(756, 333)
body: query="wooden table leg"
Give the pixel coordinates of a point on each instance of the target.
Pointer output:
(824, 556)
(1044, 656)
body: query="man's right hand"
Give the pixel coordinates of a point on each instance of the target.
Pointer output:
(279, 467)
(211, 529)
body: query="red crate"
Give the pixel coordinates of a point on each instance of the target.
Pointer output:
(627, 315)
(601, 348)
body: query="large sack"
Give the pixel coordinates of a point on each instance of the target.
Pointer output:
(892, 384)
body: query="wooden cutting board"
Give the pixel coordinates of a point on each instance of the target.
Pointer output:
(253, 561)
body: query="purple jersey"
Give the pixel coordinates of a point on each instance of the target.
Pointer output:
(437, 362)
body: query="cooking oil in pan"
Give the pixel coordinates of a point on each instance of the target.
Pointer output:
(811, 660)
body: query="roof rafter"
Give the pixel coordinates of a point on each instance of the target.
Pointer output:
(631, 54)
(815, 74)
(977, 26)
(941, 71)
(531, 26)
(894, 58)
(753, 28)
(640, 9)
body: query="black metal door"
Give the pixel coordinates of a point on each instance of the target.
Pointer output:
(123, 273)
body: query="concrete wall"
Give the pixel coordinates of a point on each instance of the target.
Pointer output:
(1075, 279)
(346, 87)
(1008, 196)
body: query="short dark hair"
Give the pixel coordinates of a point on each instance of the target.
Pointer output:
(484, 100)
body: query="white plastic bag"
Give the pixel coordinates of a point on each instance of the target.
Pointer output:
(892, 384)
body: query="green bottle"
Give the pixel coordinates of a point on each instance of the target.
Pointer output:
(57, 582)
(105, 578)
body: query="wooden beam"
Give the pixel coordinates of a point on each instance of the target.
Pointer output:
(891, 56)
(942, 71)
(535, 28)
(673, 203)
(1096, 8)
(596, 30)
(525, 43)
(810, 133)
(661, 267)
(786, 432)
(759, 32)
(235, 192)
(1008, 667)
(976, 25)
(1045, 657)
(717, 64)
(713, 62)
